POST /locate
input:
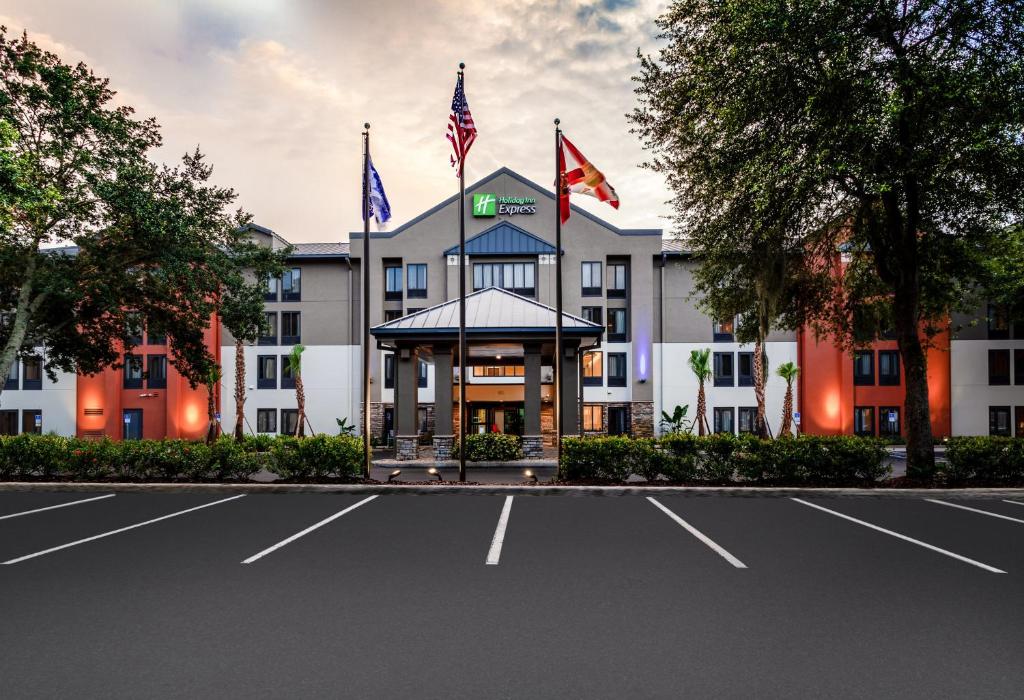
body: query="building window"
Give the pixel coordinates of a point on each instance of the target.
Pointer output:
(32, 422)
(888, 419)
(291, 328)
(132, 372)
(270, 292)
(392, 315)
(389, 371)
(864, 420)
(864, 368)
(593, 369)
(132, 420)
(1018, 366)
(998, 367)
(998, 322)
(421, 374)
(744, 374)
(747, 417)
(8, 422)
(499, 370)
(289, 420)
(616, 325)
(593, 418)
(999, 420)
(393, 282)
(156, 372)
(616, 280)
(133, 329)
(724, 418)
(269, 331)
(32, 373)
(266, 420)
(724, 331)
(888, 368)
(591, 286)
(155, 336)
(410, 312)
(594, 314)
(1019, 421)
(266, 372)
(518, 278)
(618, 420)
(11, 382)
(617, 371)
(723, 369)
(287, 376)
(291, 285)
(417, 279)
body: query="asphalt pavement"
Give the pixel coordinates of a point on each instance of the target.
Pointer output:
(465, 596)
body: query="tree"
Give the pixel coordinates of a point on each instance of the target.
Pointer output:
(789, 372)
(93, 235)
(295, 362)
(213, 376)
(893, 128)
(676, 421)
(700, 364)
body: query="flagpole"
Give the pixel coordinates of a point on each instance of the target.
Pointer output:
(365, 271)
(557, 364)
(462, 301)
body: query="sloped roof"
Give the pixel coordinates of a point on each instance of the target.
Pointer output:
(504, 238)
(673, 246)
(320, 250)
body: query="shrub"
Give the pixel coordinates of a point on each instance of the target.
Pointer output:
(28, 456)
(317, 457)
(491, 447)
(608, 458)
(986, 459)
(716, 464)
(679, 452)
(230, 460)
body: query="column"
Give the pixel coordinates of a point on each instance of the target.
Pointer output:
(406, 389)
(444, 424)
(570, 387)
(533, 444)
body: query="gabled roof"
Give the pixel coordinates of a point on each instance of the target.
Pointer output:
(504, 238)
(320, 250)
(674, 246)
(487, 311)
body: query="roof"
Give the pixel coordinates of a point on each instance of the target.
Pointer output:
(320, 250)
(504, 238)
(674, 246)
(488, 310)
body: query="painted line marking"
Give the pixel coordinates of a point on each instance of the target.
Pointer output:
(699, 535)
(919, 543)
(59, 505)
(119, 530)
(976, 510)
(494, 553)
(1016, 503)
(297, 535)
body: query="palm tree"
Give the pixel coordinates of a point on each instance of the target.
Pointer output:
(700, 363)
(295, 362)
(788, 371)
(212, 379)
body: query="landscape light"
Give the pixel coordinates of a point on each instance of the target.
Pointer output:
(393, 475)
(434, 472)
(530, 475)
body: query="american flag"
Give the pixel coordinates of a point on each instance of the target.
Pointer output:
(461, 129)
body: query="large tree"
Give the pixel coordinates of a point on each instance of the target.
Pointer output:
(94, 236)
(894, 127)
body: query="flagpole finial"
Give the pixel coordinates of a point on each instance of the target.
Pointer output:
(557, 121)
(462, 66)
(366, 125)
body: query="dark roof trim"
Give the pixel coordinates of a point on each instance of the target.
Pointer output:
(381, 331)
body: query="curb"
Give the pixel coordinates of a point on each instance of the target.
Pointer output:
(506, 490)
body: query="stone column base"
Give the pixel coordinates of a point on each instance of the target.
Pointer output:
(533, 446)
(443, 446)
(406, 446)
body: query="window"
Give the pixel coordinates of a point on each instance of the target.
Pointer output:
(133, 329)
(389, 371)
(998, 323)
(269, 332)
(594, 314)
(593, 369)
(617, 369)
(998, 367)
(12, 376)
(499, 371)
(723, 369)
(266, 372)
(156, 372)
(417, 278)
(8, 422)
(421, 375)
(864, 420)
(616, 325)
(32, 373)
(864, 368)
(616, 280)
(413, 311)
(748, 419)
(1018, 366)
(1019, 421)
(291, 330)
(744, 374)
(618, 420)
(999, 420)
(519, 278)
(593, 418)
(289, 420)
(888, 419)
(287, 376)
(32, 422)
(291, 285)
(392, 282)
(270, 291)
(724, 331)
(591, 279)
(888, 368)
(266, 420)
(724, 418)
(132, 371)
(392, 314)
(132, 424)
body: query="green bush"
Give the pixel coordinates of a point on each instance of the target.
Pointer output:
(984, 459)
(612, 458)
(679, 453)
(317, 457)
(716, 464)
(491, 447)
(32, 456)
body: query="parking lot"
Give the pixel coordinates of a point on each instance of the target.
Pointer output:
(202, 595)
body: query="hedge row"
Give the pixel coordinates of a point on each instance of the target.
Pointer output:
(725, 459)
(491, 447)
(54, 457)
(988, 460)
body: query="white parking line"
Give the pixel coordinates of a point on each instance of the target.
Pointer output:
(699, 535)
(1016, 503)
(976, 510)
(919, 543)
(59, 505)
(119, 530)
(308, 530)
(494, 553)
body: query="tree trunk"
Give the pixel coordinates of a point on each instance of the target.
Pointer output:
(211, 411)
(920, 441)
(702, 408)
(787, 411)
(239, 389)
(300, 400)
(19, 327)
(760, 426)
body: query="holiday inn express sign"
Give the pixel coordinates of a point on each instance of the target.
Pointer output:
(487, 205)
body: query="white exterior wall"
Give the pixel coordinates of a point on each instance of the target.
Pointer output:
(57, 400)
(970, 393)
(675, 384)
(612, 394)
(330, 375)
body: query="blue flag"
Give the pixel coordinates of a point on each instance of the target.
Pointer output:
(378, 207)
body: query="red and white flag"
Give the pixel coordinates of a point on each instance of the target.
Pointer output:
(461, 129)
(577, 174)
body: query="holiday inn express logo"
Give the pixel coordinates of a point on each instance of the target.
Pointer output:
(484, 205)
(487, 205)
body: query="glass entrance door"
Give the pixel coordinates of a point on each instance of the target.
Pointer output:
(496, 418)
(132, 424)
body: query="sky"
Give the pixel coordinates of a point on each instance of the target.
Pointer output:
(275, 92)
